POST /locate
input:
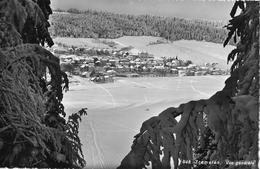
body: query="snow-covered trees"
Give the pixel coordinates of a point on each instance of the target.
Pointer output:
(33, 130)
(94, 24)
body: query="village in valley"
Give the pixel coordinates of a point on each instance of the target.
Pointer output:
(104, 65)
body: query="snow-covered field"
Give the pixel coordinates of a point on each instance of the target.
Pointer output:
(116, 110)
(198, 52)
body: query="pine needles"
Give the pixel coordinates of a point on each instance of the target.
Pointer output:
(33, 131)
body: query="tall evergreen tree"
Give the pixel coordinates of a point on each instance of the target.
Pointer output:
(33, 130)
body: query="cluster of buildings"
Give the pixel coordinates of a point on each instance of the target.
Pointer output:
(101, 65)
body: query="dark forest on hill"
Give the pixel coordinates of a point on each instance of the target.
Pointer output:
(95, 24)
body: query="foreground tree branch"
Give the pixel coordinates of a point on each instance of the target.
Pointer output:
(33, 130)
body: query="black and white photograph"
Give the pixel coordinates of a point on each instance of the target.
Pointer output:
(129, 84)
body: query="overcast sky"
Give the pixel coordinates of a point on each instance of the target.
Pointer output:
(193, 9)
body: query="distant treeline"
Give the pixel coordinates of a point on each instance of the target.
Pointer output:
(95, 24)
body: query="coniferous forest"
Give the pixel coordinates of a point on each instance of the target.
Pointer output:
(95, 24)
